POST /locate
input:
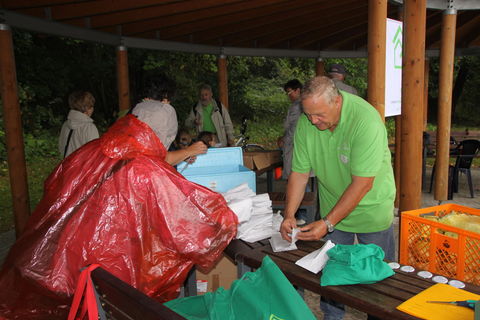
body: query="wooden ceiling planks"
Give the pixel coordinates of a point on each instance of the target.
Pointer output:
(280, 24)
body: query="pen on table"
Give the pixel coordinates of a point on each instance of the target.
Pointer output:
(465, 303)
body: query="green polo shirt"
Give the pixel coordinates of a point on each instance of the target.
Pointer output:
(357, 146)
(207, 119)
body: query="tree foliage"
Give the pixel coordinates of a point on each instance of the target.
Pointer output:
(49, 68)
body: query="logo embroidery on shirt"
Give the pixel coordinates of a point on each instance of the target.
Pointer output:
(344, 158)
(274, 317)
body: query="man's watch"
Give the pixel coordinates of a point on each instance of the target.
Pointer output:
(330, 226)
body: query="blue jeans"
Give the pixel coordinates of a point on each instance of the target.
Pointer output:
(302, 213)
(384, 239)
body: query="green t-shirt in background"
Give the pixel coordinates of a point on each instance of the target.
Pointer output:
(358, 146)
(207, 119)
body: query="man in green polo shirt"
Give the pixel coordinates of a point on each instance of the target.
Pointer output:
(343, 139)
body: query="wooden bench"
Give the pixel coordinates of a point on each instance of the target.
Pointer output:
(309, 203)
(123, 302)
(379, 299)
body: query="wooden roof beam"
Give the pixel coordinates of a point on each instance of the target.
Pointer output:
(334, 43)
(24, 4)
(81, 9)
(333, 32)
(152, 12)
(265, 25)
(305, 27)
(200, 20)
(262, 20)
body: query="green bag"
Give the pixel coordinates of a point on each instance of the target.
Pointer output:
(352, 264)
(265, 294)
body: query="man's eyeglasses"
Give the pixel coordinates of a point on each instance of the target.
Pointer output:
(290, 91)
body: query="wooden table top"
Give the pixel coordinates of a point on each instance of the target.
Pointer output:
(379, 299)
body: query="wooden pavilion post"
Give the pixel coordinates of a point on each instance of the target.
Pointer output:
(412, 107)
(122, 80)
(377, 34)
(319, 67)
(398, 143)
(398, 158)
(222, 80)
(447, 51)
(425, 94)
(17, 168)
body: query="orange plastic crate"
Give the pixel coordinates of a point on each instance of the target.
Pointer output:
(425, 248)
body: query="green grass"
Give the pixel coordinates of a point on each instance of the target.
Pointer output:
(37, 170)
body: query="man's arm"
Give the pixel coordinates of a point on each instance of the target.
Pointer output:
(177, 156)
(345, 205)
(295, 192)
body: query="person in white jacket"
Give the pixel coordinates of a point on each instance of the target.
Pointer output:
(79, 127)
(210, 115)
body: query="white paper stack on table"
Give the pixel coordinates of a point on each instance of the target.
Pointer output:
(255, 216)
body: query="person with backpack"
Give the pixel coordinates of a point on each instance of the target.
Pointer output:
(210, 115)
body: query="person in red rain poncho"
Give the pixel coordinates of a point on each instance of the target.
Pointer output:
(118, 203)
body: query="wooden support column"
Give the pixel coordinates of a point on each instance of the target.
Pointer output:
(425, 94)
(223, 80)
(412, 106)
(377, 34)
(398, 157)
(447, 51)
(398, 143)
(319, 67)
(17, 168)
(122, 80)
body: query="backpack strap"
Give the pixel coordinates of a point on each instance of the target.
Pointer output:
(219, 105)
(68, 142)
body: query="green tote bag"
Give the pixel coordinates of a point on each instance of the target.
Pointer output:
(265, 294)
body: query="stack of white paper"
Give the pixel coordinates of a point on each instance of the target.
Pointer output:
(254, 212)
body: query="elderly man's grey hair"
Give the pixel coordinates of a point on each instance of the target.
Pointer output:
(206, 87)
(320, 86)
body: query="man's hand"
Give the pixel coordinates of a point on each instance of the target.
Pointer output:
(313, 231)
(286, 228)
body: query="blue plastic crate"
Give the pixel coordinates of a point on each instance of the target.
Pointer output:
(220, 169)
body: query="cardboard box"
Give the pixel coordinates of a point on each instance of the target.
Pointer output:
(259, 160)
(224, 273)
(220, 169)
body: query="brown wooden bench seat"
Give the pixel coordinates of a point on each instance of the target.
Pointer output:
(123, 302)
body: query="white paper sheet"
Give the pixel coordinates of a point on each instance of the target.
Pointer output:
(279, 244)
(316, 260)
(242, 208)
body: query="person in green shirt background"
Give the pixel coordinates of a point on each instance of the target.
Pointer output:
(211, 116)
(343, 139)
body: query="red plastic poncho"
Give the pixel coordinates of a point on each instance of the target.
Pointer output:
(114, 202)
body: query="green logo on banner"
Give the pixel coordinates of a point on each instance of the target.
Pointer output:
(398, 49)
(274, 317)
